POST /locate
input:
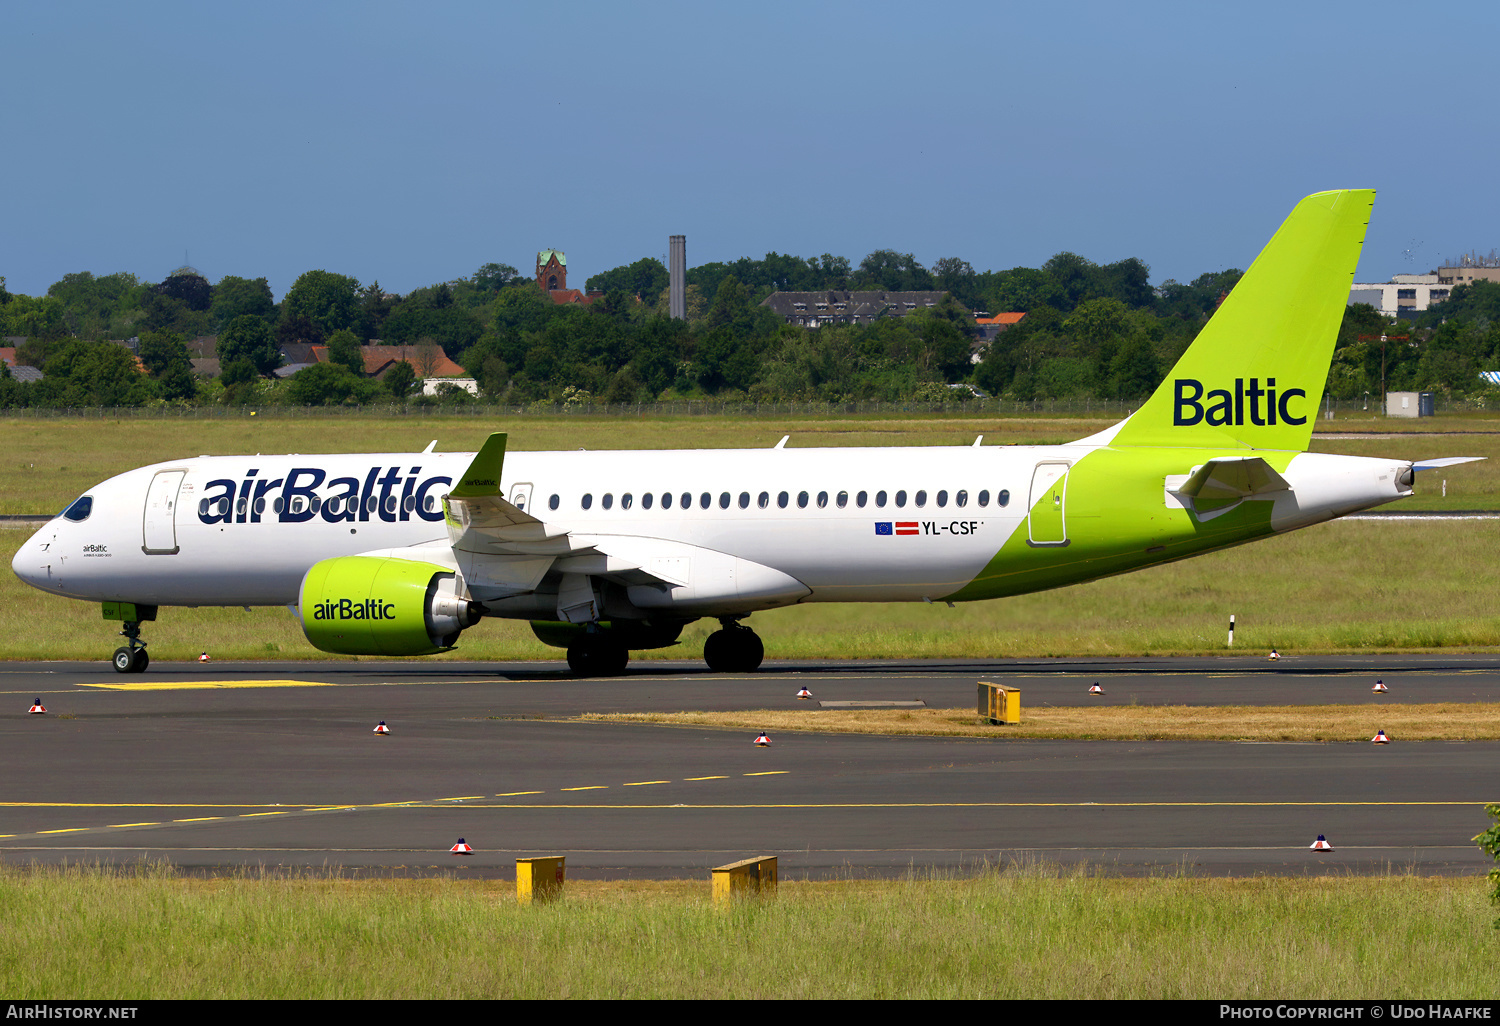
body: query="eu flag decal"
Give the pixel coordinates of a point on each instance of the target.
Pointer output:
(883, 528)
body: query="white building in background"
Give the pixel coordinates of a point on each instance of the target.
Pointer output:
(1405, 295)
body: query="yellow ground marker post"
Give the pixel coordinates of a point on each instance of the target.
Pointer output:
(540, 879)
(999, 703)
(755, 876)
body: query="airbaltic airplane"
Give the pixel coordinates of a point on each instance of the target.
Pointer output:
(397, 553)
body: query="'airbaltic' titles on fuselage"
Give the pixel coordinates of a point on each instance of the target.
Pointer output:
(1226, 408)
(391, 496)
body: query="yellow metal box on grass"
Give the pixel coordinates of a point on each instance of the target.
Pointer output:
(539, 879)
(750, 876)
(999, 703)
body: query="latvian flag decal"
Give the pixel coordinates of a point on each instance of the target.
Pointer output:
(900, 527)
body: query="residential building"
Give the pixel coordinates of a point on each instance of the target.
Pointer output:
(815, 309)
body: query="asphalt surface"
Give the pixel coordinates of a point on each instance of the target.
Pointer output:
(221, 766)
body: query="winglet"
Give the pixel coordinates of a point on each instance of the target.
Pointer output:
(483, 476)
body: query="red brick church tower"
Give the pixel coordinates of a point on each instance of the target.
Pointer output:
(552, 270)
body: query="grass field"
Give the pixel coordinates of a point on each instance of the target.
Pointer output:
(1441, 721)
(1021, 932)
(1347, 586)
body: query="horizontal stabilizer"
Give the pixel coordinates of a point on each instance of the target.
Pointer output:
(1233, 478)
(1446, 461)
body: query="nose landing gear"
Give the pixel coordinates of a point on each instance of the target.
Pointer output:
(130, 657)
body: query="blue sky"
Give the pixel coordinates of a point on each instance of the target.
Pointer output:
(412, 143)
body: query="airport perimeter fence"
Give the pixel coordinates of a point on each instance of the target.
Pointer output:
(1101, 409)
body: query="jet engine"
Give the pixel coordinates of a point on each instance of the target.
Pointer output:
(373, 605)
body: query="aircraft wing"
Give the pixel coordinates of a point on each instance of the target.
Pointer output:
(503, 550)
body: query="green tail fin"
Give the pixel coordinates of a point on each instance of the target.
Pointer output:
(1254, 376)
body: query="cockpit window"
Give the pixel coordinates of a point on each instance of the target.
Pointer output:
(80, 509)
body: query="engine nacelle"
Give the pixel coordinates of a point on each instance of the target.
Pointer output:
(373, 605)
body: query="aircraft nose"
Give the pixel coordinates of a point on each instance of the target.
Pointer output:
(29, 563)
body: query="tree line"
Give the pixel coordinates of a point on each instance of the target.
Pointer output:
(1090, 330)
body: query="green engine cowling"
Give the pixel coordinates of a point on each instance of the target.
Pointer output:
(373, 605)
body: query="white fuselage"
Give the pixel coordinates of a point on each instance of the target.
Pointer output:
(856, 524)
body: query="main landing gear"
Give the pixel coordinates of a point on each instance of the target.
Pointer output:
(734, 649)
(597, 655)
(131, 657)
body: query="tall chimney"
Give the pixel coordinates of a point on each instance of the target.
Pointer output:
(677, 299)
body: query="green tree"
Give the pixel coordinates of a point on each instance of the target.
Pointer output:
(188, 287)
(328, 384)
(97, 374)
(331, 301)
(400, 381)
(644, 279)
(344, 349)
(166, 359)
(239, 297)
(892, 271)
(248, 337)
(1489, 843)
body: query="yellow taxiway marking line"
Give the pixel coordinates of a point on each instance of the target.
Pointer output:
(706, 778)
(517, 794)
(197, 819)
(143, 805)
(334, 808)
(990, 805)
(643, 783)
(767, 773)
(191, 685)
(248, 815)
(116, 826)
(462, 798)
(591, 787)
(66, 830)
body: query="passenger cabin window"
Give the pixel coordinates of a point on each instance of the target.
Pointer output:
(744, 500)
(554, 502)
(666, 500)
(961, 499)
(764, 500)
(724, 500)
(901, 498)
(608, 500)
(842, 500)
(1003, 498)
(860, 499)
(782, 498)
(801, 500)
(984, 497)
(921, 498)
(942, 499)
(822, 500)
(704, 500)
(588, 500)
(646, 500)
(687, 500)
(880, 500)
(626, 500)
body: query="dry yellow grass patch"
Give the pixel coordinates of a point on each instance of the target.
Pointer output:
(1445, 721)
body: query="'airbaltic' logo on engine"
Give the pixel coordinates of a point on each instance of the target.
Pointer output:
(345, 609)
(1222, 407)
